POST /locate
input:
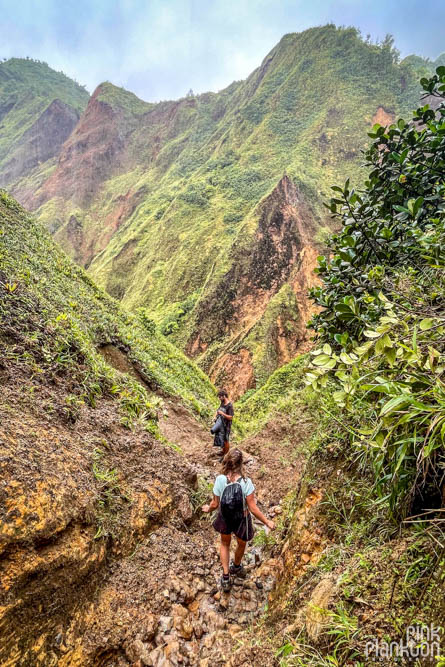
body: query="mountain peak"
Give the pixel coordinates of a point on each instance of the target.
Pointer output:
(120, 98)
(165, 202)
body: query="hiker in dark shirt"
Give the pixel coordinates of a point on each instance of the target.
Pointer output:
(226, 412)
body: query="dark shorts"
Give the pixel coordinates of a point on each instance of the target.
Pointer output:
(245, 530)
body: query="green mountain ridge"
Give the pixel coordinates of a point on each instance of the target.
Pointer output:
(105, 556)
(157, 199)
(28, 88)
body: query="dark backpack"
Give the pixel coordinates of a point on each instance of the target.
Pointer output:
(233, 503)
(218, 431)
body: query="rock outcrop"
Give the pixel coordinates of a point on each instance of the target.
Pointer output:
(41, 142)
(281, 256)
(91, 154)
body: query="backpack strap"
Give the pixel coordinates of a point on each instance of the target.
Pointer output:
(245, 508)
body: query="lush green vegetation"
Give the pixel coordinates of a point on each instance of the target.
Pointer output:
(59, 320)
(221, 153)
(27, 87)
(382, 296)
(122, 99)
(281, 394)
(197, 168)
(374, 390)
(394, 569)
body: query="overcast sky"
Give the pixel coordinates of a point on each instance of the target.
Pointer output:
(159, 49)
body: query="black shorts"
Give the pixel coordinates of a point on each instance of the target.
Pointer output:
(245, 530)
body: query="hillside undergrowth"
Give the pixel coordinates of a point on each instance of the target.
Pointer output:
(61, 321)
(383, 320)
(362, 544)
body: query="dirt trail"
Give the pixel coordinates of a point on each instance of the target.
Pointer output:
(215, 620)
(106, 561)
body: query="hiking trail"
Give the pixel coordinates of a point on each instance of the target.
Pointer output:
(198, 623)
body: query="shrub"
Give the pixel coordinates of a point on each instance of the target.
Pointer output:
(382, 323)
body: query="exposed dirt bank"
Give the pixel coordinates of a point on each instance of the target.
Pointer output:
(104, 558)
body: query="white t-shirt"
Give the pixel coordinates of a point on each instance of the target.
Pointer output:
(221, 483)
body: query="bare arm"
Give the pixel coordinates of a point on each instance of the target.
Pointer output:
(212, 506)
(223, 414)
(253, 507)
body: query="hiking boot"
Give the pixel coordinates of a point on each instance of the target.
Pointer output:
(237, 570)
(226, 584)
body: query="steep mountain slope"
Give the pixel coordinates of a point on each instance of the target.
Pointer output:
(102, 558)
(82, 317)
(85, 474)
(164, 202)
(254, 318)
(39, 109)
(362, 550)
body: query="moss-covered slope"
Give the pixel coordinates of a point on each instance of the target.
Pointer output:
(58, 312)
(162, 202)
(39, 109)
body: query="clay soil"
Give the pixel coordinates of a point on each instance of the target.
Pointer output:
(105, 557)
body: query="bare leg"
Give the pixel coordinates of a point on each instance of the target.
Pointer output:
(226, 447)
(225, 552)
(240, 549)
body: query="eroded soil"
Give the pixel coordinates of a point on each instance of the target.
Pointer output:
(105, 557)
(272, 461)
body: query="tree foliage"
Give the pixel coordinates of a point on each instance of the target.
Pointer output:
(382, 318)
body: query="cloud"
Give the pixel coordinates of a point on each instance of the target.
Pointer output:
(161, 48)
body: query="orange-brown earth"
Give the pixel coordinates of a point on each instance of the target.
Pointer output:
(92, 153)
(104, 556)
(160, 201)
(282, 252)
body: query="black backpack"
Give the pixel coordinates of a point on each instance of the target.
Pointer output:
(219, 432)
(233, 503)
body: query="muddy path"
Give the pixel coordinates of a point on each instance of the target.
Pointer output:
(204, 626)
(116, 566)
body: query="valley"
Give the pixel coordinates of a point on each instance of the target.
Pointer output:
(105, 559)
(164, 203)
(151, 253)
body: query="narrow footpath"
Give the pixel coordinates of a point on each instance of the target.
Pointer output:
(201, 625)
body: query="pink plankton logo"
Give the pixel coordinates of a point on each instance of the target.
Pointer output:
(420, 641)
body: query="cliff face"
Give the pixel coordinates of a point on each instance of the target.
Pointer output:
(91, 154)
(163, 202)
(118, 134)
(41, 142)
(280, 257)
(39, 109)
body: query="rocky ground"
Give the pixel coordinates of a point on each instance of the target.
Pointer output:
(197, 623)
(142, 588)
